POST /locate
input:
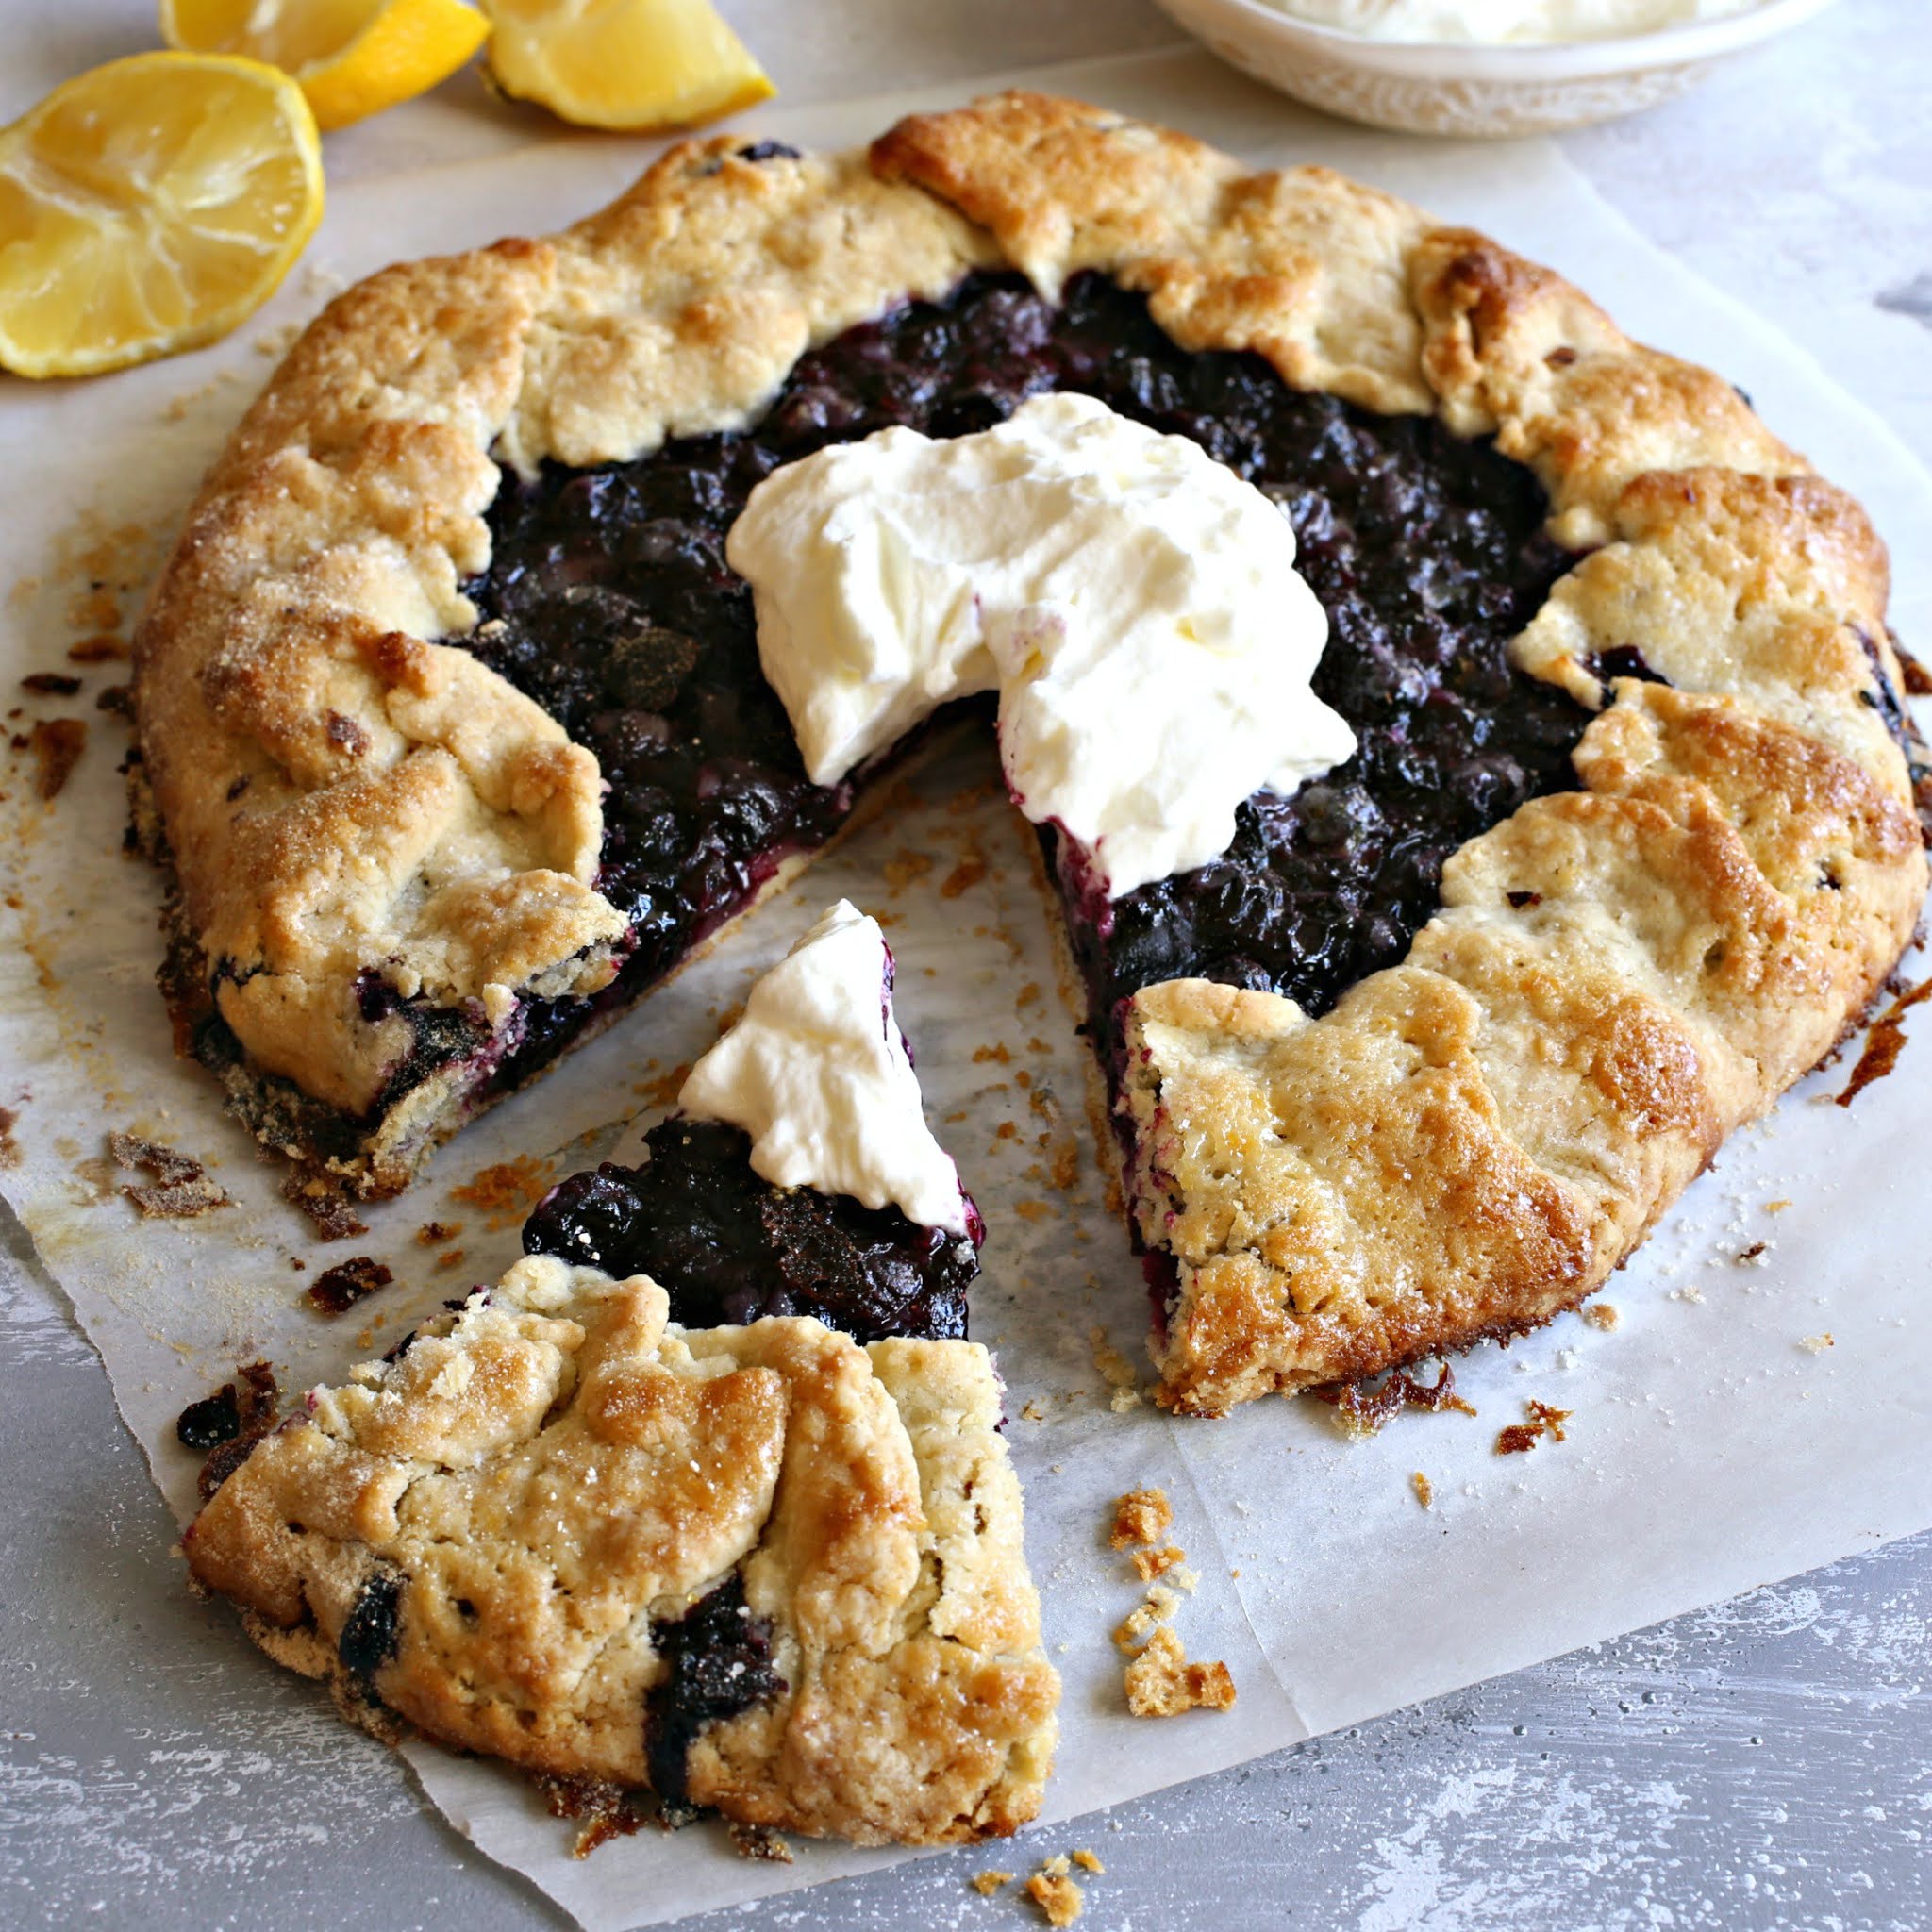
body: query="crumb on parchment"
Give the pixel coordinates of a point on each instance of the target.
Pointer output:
(1142, 1516)
(1601, 1315)
(1424, 1490)
(1162, 1683)
(1159, 1607)
(987, 1883)
(178, 1187)
(1088, 1861)
(758, 1842)
(1544, 1421)
(1148, 1564)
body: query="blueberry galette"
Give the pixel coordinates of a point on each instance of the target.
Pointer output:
(557, 600)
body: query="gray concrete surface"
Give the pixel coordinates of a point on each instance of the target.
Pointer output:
(1766, 1763)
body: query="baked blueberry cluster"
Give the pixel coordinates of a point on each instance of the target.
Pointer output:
(610, 602)
(719, 1663)
(727, 1246)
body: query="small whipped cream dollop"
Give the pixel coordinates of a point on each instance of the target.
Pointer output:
(816, 1071)
(1134, 602)
(1497, 22)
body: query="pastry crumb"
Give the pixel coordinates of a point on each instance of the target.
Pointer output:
(987, 1883)
(326, 1205)
(1361, 1407)
(508, 1192)
(1544, 1421)
(962, 878)
(1148, 1564)
(57, 744)
(1818, 1343)
(1162, 1683)
(1056, 1894)
(1777, 1206)
(178, 1187)
(1033, 1412)
(339, 1289)
(759, 1841)
(1601, 1315)
(1087, 1861)
(1142, 1516)
(1424, 1490)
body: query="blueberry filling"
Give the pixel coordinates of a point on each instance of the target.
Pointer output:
(1622, 660)
(609, 601)
(209, 1422)
(719, 1663)
(228, 1423)
(727, 1246)
(372, 1632)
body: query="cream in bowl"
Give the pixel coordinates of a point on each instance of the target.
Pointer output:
(1484, 67)
(1508, 23)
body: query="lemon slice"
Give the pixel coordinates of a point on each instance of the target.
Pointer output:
(637, 64)
(353, 58)
(148, 207)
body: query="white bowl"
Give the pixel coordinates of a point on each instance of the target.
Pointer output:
(1441, 88)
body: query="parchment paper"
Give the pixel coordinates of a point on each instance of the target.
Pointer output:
(1746, 1420)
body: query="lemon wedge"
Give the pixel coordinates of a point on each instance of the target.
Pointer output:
(636, 64)
(353, 58)
(149, 206)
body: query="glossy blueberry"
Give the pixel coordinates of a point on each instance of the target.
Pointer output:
(727, 1246)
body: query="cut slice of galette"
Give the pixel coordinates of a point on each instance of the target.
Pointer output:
(758, 1569)
(679, 1532)
(797, 1174)
(461, 723)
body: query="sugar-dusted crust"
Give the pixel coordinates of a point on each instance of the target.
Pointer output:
(543, 1476)
(342, 798)
(1470, 1141)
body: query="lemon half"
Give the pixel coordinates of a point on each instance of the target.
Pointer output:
(352, 57)
(636, 64)
(149, 206)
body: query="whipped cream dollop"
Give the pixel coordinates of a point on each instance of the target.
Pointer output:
(816, 1071)
(1500, 21)
(1134, 602)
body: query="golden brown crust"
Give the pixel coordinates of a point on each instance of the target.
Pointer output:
(1513, 351)
(551, 1471)
(1301, 265)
